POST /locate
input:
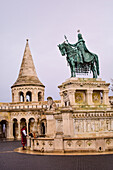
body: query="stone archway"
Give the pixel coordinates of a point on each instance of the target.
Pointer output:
(3, 128)
(43, 127)
(28, 96)
(21, 96)
(39, 96)
(22, 122)
(31, 125)
(15, 128)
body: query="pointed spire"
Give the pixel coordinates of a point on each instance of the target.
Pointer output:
(27, 74)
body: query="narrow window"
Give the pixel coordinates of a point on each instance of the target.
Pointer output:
(21, 97)
(28, 96)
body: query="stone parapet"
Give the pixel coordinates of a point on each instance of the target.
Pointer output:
(25, 106)
(72, 144)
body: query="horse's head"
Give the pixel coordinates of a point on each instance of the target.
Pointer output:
(62, 48)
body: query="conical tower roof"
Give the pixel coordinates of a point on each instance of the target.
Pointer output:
(27, 75)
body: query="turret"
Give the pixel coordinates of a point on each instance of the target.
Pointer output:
(27, 87)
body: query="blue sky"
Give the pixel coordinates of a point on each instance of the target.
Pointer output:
(44, 23)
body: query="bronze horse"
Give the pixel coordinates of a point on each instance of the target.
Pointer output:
(72, 56)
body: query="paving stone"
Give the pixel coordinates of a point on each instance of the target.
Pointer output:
(17, 161)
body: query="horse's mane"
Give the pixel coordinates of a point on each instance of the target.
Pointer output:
(68, 47)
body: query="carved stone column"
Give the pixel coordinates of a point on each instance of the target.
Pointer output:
(10, 131)
(105, 97)
(42, 96)
(71, 97)
(28, 142)
(24, 96)
(35, 129)
(19, 130)
(39, 129)
(27, 122)
(33, 98)
(84, 125)
(62, 102)
(89, 97)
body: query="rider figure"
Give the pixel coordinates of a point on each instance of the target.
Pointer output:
(81, 49)
(80, 45)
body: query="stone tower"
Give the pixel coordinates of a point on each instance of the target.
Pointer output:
(27, 87)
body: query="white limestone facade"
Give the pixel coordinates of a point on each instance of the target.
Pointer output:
(81, 121)
(27, 93)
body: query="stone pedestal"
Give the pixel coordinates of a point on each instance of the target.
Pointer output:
(58, 142)
(67, 124)
(10, 130)
(50, 123)
(32, 145)
(28, 142)
(84, 91)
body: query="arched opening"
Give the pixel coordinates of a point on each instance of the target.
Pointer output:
(3, 129)
(21, 96)
(15, 128)
(39, 96)
(28, 96)
(31, 125)
(43, 127)
(100, 148)
(22, 123)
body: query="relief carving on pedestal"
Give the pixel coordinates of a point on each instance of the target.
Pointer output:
(96, 97)
(79, 143)
(69, 143)
(50, 143)
(79, 97)
(89, 142)
(108, 141)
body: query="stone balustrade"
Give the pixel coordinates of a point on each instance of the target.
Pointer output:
(25, 106)
(72, 144)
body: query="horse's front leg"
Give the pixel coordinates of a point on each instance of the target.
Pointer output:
(71, 72)
(74, 74)
(94, 71)
(71, 68)
(74, 71)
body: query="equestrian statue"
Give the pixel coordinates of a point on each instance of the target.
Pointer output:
(79, 58)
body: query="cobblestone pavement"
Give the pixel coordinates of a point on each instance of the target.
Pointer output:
(9, 160)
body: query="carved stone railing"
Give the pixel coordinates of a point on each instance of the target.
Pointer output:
(25, 106)
(76, 144)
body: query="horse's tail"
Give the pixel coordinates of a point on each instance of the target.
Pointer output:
(97, 64)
